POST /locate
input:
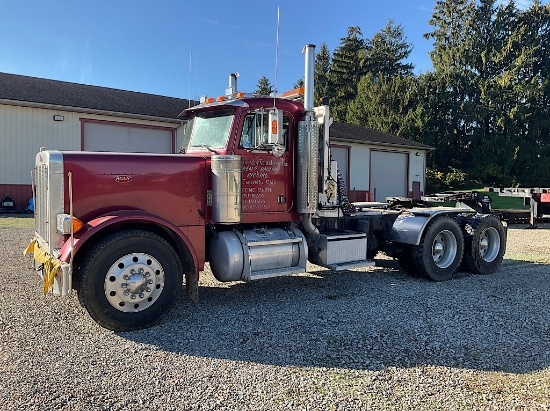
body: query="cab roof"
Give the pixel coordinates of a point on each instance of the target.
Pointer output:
(247, 101)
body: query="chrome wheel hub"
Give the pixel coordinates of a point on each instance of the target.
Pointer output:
(444, 249)
(489, 244)
(134, 282)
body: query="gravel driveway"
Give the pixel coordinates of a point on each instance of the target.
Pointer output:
(360, 339)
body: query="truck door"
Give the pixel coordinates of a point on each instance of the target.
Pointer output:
(266, 177)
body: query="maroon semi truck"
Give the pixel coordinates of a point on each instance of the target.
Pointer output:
(254, 192)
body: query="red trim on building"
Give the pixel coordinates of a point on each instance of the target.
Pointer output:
(359, 195)
(21, 193)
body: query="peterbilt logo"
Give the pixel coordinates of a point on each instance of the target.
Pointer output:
(123, 179)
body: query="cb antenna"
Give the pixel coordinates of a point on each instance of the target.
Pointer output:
(276, 55)
(190, 70)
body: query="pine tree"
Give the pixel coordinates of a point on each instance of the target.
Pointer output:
(451, 88)
(388, 104)
(322, 70)
(530, 86)
(452, 36)
(492, 150)
(264, 87)
(346, 71)
(509, 143)
(488, 99)
(386, 51)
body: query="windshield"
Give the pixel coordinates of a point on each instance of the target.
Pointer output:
(209, 129)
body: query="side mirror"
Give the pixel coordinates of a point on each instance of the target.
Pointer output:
(275, 127)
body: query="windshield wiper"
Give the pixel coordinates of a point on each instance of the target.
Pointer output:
(206, 146)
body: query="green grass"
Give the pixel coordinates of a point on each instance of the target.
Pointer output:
(513, 258)
(18, 222)
(506, 203)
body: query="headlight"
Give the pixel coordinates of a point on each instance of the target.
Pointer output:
(64, 224)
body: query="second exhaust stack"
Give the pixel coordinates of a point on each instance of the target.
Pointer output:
(309, 50)
(308, 154)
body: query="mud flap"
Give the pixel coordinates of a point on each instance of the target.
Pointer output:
(51, 267)
(192, 286)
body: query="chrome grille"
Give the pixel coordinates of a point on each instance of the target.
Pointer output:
(49, 198)
(41, 201)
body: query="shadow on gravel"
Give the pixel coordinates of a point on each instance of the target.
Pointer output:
(368, 320)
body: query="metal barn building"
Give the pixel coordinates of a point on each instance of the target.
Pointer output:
(37, 113)
(377, 165)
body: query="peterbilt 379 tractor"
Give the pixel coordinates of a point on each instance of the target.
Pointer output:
(254, 192)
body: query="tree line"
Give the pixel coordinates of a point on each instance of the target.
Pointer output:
(484, 106)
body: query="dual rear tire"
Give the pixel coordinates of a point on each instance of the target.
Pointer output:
(440, 251)
(472, 243)
(485, 242)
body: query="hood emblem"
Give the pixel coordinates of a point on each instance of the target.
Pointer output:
(123, 179)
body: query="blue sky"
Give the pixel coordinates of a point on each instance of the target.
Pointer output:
(187, 49)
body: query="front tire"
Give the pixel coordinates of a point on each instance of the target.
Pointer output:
(129, 279)
(485, 244)
(440, 251)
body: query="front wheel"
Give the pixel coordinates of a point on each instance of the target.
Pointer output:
(129, 279)
(440, 251)
(485, 241)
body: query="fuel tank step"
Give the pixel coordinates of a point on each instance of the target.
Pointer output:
(340, 251)
(349, 266)
(276, 272)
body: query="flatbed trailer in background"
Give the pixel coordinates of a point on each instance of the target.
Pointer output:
(476, 200)
(537, 198)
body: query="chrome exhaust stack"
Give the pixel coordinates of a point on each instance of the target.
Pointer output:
(232, 89)
(308, 152)
(309, 50)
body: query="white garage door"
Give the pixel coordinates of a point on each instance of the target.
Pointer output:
(341, 156)
(99, 136)
(388, 174)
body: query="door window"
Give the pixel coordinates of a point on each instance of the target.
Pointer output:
(255, 132)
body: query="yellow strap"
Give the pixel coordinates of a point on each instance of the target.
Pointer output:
(30, 247)
(51, 265)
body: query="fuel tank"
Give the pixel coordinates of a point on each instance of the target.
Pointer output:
(257, 253)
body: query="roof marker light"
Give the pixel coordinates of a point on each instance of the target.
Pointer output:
(296, 92)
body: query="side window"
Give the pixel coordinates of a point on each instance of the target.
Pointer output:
(255, 130)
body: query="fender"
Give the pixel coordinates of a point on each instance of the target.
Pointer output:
(408, 228)
(99, 223)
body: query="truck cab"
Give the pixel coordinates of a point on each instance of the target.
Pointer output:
(241, 127)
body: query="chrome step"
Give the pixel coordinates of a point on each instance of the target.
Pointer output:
(349, 266)
(275, 272)
(340, 251)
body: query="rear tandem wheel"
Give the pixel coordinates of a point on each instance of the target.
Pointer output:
(440, 251)
(485, 244)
